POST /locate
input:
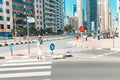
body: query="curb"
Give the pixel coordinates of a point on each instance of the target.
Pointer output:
(33, 41)
(76, 45)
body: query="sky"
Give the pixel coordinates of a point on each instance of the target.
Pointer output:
(69, 7)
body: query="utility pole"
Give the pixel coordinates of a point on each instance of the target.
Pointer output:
(113, 34)
(15, 26)
(28, 35)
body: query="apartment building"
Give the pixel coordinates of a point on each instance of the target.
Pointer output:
(49, 14)
(22, 9)
(6, 19)
(39, 23)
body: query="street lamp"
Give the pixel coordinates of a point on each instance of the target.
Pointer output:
(29, 20)
(28, 35)
(15, 26)
(113, 34)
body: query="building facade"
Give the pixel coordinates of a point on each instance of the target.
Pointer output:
(91, 13)
(49, 14)
(118, 16)
(59, 15)
(6, 19)
(79, 13)
(104, 16)
(22, 9)
(39, 14)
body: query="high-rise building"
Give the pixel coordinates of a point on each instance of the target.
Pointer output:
(91, 14)
(118, 16)
(22, 9)
(74, 9)
(79, 13)
(6, 19)
(49, 14)
(39, 15)
(59, 15)
(104, 15)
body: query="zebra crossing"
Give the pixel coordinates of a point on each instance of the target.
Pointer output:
(27, 69)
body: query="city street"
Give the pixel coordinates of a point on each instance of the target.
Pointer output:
(86, 63)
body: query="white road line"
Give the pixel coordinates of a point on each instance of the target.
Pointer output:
(22, 60)
(25, 68)
(23, 64)
(106, 54)
(28, 74)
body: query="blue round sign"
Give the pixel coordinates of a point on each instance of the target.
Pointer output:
(52, 46)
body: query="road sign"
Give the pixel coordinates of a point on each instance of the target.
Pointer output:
(52, 46)
(81, 29)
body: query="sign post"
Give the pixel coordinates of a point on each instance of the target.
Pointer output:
(52, 47)
(81, 29)
(11, 49)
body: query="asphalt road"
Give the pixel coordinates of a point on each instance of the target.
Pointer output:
(85, 70)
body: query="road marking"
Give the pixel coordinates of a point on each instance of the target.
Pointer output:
(23, 64)
(28, 74)
(106, 54)
(25, 68)
(22, 60)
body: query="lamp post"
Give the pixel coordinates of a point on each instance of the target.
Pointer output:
(28, 35)
(15, 26)
(113, 34)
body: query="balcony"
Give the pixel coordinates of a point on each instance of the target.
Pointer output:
(18, 1)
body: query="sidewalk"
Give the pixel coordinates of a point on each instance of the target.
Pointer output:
(94, 43)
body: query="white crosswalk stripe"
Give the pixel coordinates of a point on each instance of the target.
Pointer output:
(25, 68)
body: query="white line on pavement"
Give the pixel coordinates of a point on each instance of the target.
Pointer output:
(22, 60)
(28, 74)
(29, 63)
(106, 54)
(25, 68)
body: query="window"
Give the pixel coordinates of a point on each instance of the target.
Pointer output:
(36, 0)
(8, 26)
(37, 22)
(37, 5)
(40, 23)
(1, 18)
(7, 3)
(1, 9)
(37, 11)
(1, 1)
(8, 18)
(37, 17)
(1, 26)
(8, 11)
